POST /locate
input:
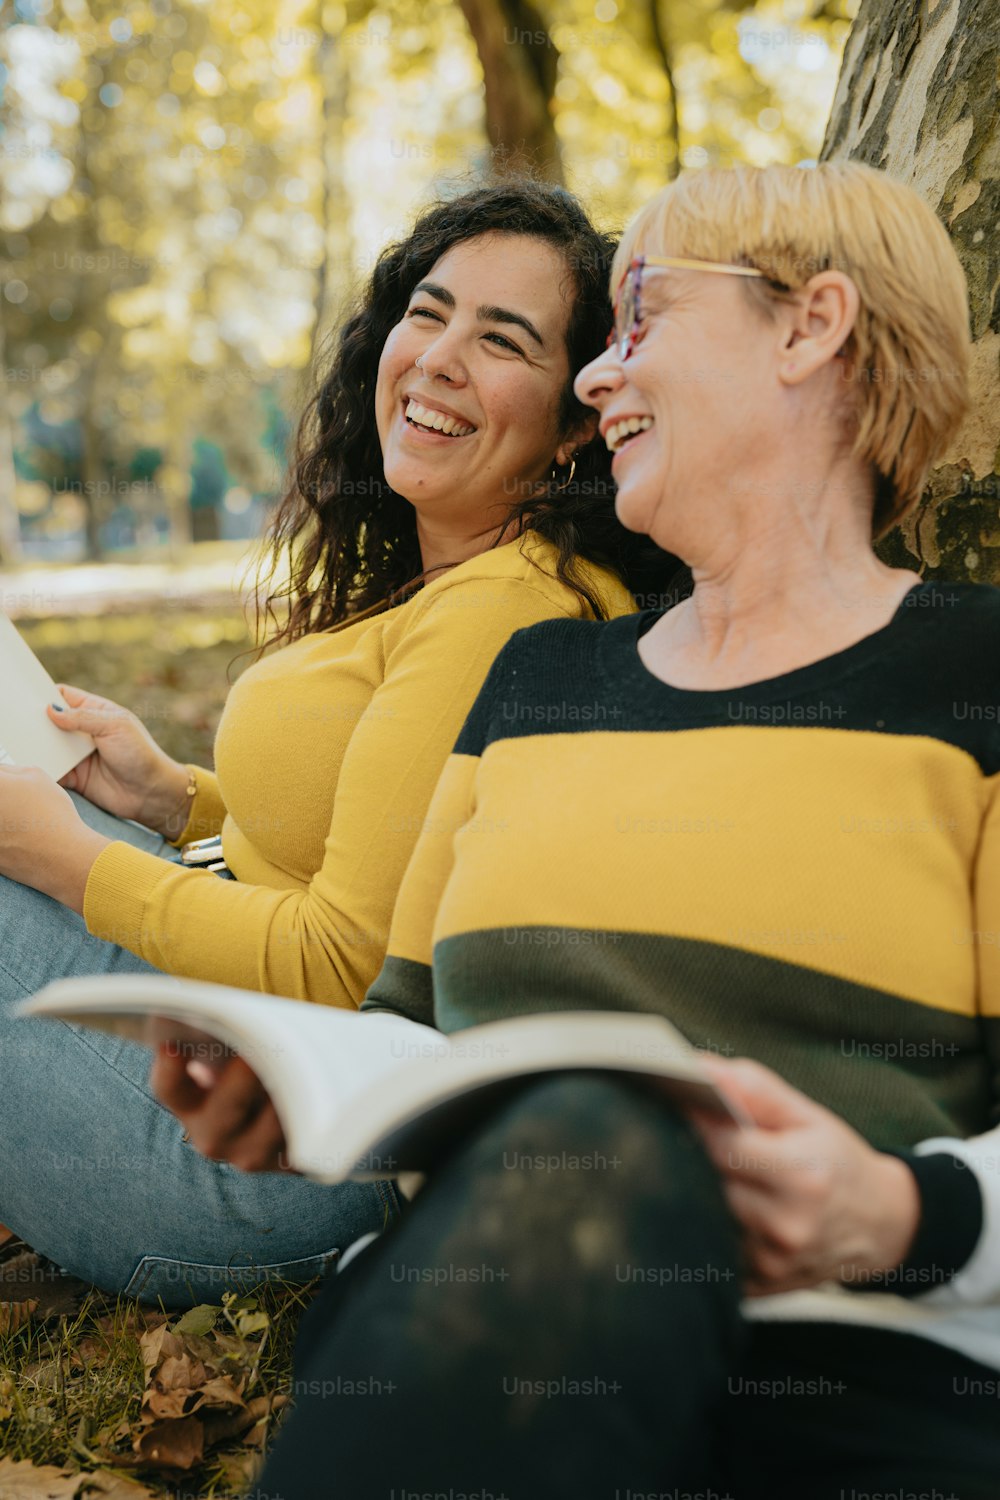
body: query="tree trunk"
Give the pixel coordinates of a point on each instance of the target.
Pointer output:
(334, 278)
(917, 96)
(519, 65)
(93, 474)
(662, 47)
(10, 521)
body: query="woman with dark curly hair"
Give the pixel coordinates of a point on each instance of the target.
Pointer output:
(446, 492)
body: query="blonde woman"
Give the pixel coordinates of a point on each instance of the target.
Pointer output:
(783, 835)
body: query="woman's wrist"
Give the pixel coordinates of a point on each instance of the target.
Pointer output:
(894, 1200)
(169, 806)
(67, 881)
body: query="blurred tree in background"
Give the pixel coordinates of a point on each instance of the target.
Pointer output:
(189, 193)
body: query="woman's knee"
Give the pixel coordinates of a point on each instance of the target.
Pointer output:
(580, 1174)
(610, 1138)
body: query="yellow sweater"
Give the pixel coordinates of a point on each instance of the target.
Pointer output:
(327, 756)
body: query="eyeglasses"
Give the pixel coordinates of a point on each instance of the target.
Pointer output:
(627, 310)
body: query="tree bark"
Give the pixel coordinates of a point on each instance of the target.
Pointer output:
(662, 47)
(10, 521)
(917, 96)
(519, 65)
(335, 275)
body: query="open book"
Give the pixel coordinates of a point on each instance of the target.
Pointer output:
(27, 735)
(374, 1095)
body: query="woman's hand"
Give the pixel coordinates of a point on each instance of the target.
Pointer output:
(815, 1201)
(127, 774)
(220, 1101)
(43, 841)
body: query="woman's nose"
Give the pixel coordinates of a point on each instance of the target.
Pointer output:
(442, 356)
(599, 380)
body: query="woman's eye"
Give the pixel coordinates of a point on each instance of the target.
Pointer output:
(503, 343)
(424, 312)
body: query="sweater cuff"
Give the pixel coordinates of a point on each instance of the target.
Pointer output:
(119, 886)
(207, 811)
(950, 1226)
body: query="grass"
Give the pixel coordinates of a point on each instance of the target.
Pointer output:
(73, 1379)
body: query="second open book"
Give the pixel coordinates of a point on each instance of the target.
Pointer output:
(376, 1095)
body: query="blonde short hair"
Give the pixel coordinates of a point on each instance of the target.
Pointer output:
(910, 345)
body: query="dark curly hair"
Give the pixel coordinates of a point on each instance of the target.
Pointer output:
(351, 541)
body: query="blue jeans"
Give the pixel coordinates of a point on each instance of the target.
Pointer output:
(96, 1174)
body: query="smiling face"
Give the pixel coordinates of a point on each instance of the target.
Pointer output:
(466, 436)
(687, 412)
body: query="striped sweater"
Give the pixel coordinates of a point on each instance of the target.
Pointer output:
(805, 871)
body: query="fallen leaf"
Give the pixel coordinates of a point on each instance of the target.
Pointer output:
(16, 1314)
(113, 1487)
(155, 1344)
(25, 1276)
(172, 1444)
(198, 1320)
(44, 1373)
(21, 1480)
(179, 1372)
(263, 1409)
(91, 1354)
(249, 1323)
(239, 1471)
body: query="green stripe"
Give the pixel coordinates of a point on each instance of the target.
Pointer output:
(896, 1070)
(403, 986)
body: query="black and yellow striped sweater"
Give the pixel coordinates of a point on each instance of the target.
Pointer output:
(805, 871)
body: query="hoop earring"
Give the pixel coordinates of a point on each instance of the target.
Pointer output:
(557, 488)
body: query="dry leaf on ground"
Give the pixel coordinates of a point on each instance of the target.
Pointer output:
(25, 1277)
(196, 1376)
(15, 1314)
(21, 1480)
(172, 1444)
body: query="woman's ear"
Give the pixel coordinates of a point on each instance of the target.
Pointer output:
(823, 315)
(578, 437)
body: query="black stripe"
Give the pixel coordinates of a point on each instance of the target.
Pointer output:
(933, 671)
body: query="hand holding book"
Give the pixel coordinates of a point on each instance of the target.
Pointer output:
(218, 1098)
(126, 773)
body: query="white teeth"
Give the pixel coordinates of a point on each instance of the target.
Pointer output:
(436, 421)
(626, 428)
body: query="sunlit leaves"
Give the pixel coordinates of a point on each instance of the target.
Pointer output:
(188, 191)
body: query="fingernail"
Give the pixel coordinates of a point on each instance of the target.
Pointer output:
(58, 708)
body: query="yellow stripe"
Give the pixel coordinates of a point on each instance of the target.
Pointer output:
(431, 862)
(986, 923)
(844, 851)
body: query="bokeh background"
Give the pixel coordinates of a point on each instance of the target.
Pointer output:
(189, 194)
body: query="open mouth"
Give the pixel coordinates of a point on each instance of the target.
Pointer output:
(620, 434)
(425, 419)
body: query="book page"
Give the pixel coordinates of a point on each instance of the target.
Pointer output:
(27, 736)
(369, 1096)
(322, 1066)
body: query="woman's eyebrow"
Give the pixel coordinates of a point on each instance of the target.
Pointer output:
(487, 313)
(490, 313)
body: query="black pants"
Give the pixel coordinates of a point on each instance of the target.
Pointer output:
(557, 1317)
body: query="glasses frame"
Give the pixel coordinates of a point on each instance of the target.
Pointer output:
(625, 341)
